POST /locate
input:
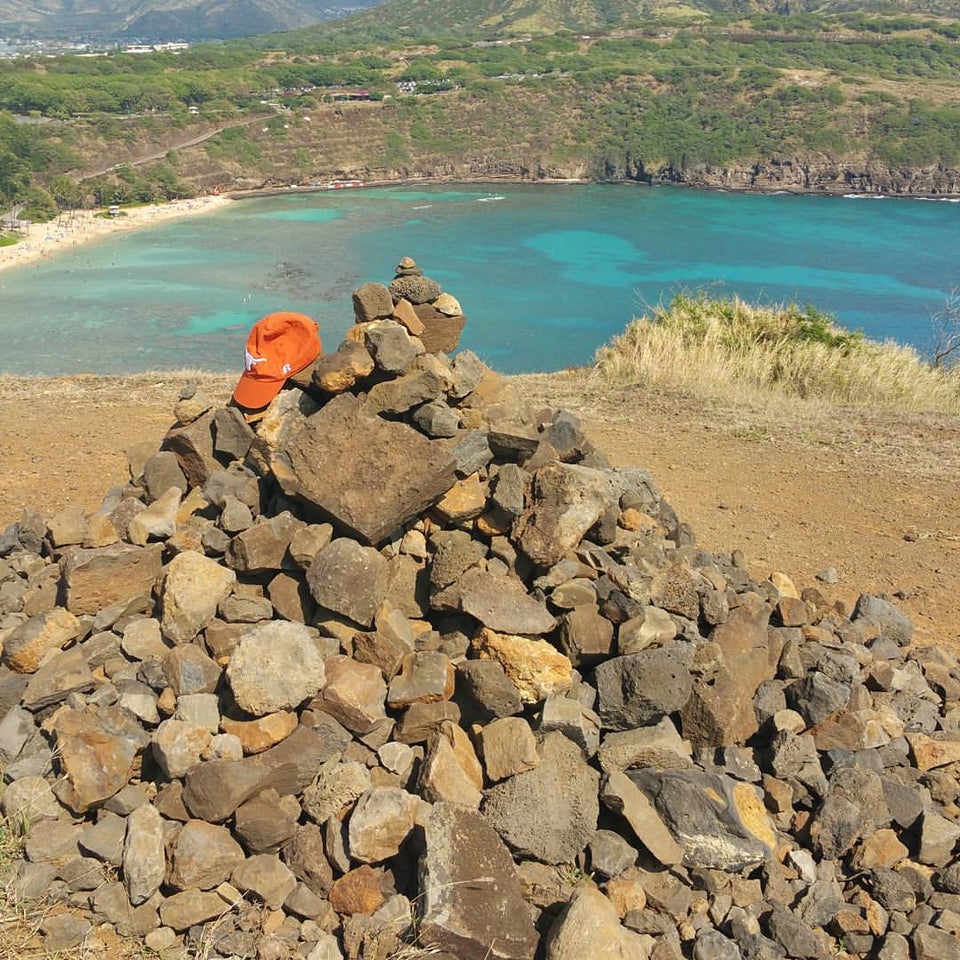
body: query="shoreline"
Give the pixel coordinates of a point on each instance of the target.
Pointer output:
(78, 227)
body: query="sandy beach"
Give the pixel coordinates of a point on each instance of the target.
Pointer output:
(75, 227)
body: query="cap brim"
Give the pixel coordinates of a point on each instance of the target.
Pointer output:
(256, 392)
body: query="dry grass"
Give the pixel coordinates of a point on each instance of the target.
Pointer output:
(151, 387)
(730, 350)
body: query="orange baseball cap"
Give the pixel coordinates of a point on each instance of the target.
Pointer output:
(279, 345)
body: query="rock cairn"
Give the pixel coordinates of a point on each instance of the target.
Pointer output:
(410, 670)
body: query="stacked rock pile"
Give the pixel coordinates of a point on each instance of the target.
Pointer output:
(411, 670)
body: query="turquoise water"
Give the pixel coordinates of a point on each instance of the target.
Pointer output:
(545, 274)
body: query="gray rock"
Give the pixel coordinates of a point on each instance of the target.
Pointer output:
(144, 863)
(266, 877)
(28, 801)
(63, 932)
(623, 796)
(659, 746)
(468, 370)
(817, 696)
(938, 838)
(468, 918)
(215, 788)
(892, 622)
(141, 639)
(349, 579)
(111, 903)
(488, 686)
(471, 452)
(436, 419)
(202, 709)
(29, 882)
(236, 482)
(402, 394)
(104, 838)
(796, 937)
(719, 822)
(573, 720)
(713, 945)
(563, 784)
(643, 687)
(391, 346)
(64, 673)
(305, 857)
(16, 728)
(275, 666)
(52, 841)
(193, 446)
(610, 854)
(502, 603)
(264, 546)
(266, 822)
(232, 434)
(160, 473)
(190, 671)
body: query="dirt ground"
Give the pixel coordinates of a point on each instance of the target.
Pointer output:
(797, 488)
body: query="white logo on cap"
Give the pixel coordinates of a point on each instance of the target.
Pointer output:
(286, 368)
(250, 361)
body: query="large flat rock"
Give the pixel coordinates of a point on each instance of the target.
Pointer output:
(367, 474)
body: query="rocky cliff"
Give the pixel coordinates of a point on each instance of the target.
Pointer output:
(806, 175)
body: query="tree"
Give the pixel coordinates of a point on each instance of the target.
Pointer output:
(946, 332)
(39, 206)
(65, 191)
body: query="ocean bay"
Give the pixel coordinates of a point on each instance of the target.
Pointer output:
(545, 273)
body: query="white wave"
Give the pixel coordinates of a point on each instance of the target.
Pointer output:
(884, 196)
(489, 199)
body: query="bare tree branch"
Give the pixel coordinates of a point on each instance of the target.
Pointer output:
(946, 330)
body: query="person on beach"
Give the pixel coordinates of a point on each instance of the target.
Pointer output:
(280, 346)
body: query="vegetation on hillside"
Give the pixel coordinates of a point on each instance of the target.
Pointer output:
(652, 98)
(729, 348)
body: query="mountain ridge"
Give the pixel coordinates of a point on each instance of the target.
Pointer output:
(228, 19)
(166, 19)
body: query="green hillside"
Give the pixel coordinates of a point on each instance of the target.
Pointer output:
(845, 102)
